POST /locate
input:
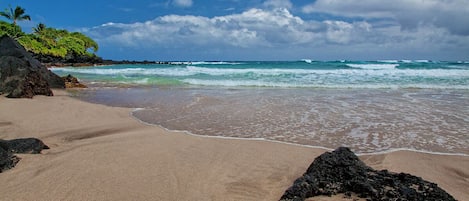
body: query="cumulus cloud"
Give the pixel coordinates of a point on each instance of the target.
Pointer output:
(183, 3)
(410, 14)
(254, 27)
(276, 33)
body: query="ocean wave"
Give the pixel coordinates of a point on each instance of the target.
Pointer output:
(293, 74)
(259, 71)
(174, 71)
(307, 60)
(373, 66)
(357, 70)
(388, 61)
(422, 61)
(213, 63)
(274, 84)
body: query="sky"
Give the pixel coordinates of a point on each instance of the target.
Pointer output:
(229, 30)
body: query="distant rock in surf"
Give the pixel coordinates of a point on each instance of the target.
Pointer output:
(72, 82)
(342, 172)
(21, 76)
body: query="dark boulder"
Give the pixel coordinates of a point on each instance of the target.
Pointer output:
(7, 159)
(20, 146)
(21, 76)
(24, 145)
(342, 172)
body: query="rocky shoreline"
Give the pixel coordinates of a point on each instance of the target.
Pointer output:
(85, 61)
(23, 76)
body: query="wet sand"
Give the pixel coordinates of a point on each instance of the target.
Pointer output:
(102, 153)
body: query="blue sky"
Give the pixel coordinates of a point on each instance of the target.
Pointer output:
(262, 29)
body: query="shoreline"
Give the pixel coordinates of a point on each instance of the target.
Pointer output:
(101, 152)
(275, 141)
(301, 145)
(158, 107)
(293, 144)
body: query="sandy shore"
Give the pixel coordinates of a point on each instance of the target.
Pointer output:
(102, 153)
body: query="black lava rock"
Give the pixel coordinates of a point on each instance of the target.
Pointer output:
(22, 146)
(21, 76)
(342, 172)
(7, 159)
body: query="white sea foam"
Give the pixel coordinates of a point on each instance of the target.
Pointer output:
(373, 66)
(359, 76)
(241, 83)
(260, 83)
(361, 141)
(213, 63)
(129, 71)
(230, 71)
(361, 70)
(422, 61)
(307, 60)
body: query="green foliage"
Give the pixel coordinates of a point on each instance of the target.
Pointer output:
(73, 45)
(56, 42)
(88, 42)
(32, 44)
(11, 30)
(45, 40)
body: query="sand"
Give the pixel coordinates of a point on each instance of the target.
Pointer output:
(102, 153)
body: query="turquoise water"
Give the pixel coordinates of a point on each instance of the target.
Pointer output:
(373, 106)
(295, 74)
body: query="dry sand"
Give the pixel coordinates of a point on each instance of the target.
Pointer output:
(102, 153)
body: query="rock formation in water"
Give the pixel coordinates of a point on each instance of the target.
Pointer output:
(21, 76)
(20, 146)
(342, 172)
(72, 82)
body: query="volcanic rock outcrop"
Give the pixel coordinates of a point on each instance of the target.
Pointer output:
(21, 76)
(342, 172)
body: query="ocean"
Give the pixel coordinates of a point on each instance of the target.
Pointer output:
(369, 106)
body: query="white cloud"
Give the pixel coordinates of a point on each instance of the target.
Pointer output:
(251, 28)
(183, 3)
(278, 34)
(410, 14)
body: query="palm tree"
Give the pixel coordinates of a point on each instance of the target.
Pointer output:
(15, 15)
(39, 28)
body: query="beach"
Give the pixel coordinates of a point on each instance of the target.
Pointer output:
(103, 153)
